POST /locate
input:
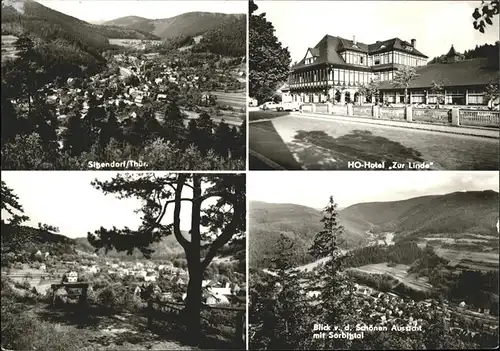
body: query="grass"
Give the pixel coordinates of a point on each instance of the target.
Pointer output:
(399, 272)
(259, 115)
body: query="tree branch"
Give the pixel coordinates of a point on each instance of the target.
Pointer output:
(177, 222)
(226, 235)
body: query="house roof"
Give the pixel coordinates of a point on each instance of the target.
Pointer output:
(452, 52)
(462, 73)
(328, 49)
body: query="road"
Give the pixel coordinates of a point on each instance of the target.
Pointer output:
(300, 143)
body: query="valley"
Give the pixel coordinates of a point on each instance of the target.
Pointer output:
(403, 269)
(159, 86)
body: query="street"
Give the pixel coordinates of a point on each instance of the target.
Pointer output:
(295, 142)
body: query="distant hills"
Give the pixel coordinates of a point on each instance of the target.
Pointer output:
(186, 24)
(474, 212)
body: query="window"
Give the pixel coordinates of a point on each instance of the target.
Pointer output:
(390, 97)
(417, 97)
(361, 60)
(341, 76)
(476, 97)
(351, 77)
(336, 75)
(377, 60)
(455, 97)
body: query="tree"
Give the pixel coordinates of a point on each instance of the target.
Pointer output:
(278, 308)
(12, 238)
(483, 15)
(222, 139)
(491, 94)
(336, 299)
(371, 90)
(403, 77)
(269, 62)
(217, 204)
(437, 88)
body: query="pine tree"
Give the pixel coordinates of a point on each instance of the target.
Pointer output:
(336, 302)
(279, 308)
(222, 139)
(173, 123)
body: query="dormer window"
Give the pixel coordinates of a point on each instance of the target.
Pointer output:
(382, 46)
(309, 60)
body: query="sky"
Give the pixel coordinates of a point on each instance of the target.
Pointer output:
(436, 25)
(313, 188)
(67, 200)
(103, 10)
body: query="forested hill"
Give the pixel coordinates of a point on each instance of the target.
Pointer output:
(474, 212)
(61, 32)
(490, 51)
(186, 24)
(229, 38)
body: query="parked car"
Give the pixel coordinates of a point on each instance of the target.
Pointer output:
(269, 105)
(288, 106)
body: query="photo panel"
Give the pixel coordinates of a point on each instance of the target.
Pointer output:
(124, 85)
(338, 263)
(355, 85)
(123, 261)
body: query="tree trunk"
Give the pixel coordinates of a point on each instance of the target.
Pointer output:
(194, 292)
(193, 301)
(406, 96)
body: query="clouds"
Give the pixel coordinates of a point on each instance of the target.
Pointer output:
(349, 187)
(435, 24)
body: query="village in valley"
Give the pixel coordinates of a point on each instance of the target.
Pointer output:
(165, 97)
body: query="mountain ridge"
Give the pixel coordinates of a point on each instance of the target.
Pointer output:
(474, 212)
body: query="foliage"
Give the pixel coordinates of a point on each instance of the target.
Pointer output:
(403, 77)
(484, 14)
(371, 90)
(223, 219)
(278, 311)
(16, 321)
(269, 62)
(480, 51)
(228, 39)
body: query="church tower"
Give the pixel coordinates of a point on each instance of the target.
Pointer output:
(452, 55)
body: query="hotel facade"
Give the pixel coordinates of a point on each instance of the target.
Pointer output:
(336, 68)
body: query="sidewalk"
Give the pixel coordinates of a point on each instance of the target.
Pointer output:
(471, 131)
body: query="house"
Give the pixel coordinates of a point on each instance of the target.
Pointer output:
(70, 277)
(461, 83)
(335, 68)
(150, 278)
(139, 99)
(217, 299)
(226, 290)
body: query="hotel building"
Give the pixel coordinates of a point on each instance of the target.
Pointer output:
(335, 68)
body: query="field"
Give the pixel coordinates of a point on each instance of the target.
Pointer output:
(399, 272)
(8, 49)
(133, 43)
(470, 259)
(236, 99)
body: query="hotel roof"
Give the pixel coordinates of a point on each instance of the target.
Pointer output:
(328, 49)
(461, 73)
